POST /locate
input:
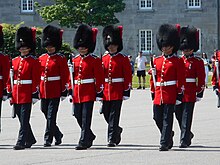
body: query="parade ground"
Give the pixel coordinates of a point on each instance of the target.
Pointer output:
(140, 137)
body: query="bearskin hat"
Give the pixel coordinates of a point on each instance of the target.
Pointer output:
(168, 35)
(112, 35)
(189, 38)
(85, 37)
(1, 36)
(52, 36)
(26, 37)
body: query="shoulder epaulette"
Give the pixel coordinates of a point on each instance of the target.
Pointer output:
(34, 57)
(198, 58)
(93, 55)
(76, 56)
(43, 55)
(60, 54)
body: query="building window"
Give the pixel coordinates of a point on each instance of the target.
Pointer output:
(194, 3)
(145, 4)
(27, 5)
(145, 40)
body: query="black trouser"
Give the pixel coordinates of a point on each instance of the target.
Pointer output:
(111, 111)
(184, 115)
(50, 108)
(163, 116)
(83, 115)
(25, 136)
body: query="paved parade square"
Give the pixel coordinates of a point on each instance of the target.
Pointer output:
(140, 137)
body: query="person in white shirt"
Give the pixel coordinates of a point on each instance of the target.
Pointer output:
(141, 62)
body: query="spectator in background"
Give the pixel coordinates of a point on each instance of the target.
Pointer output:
(206, 64)
(213, 58)
(141, 62)
(132, 66)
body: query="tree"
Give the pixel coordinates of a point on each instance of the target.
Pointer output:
(70, 13)
(9, 32)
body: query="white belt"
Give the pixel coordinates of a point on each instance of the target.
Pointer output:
(22, 81)
(54, 78)
(84, 81)
(166, 83)
(190, 80)
(114, 80)
(1, 77)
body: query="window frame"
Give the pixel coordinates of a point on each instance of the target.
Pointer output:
(28, 5)
(147, 46)
(145, 8)
(193, 6)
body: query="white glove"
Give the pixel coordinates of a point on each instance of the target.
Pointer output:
(4, 98)
(70, 98)
(99, 99)
(62, 98)
(34, 100)
(125, 97)
(178, 102)
(198, 99)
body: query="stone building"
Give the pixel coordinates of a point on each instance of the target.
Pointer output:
(140, 19)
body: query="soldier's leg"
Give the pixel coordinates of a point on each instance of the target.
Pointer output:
(19, 113)
(166, 134)
(178, 113)
(186, 133)
(30, 136)
(158, 116)
(78, 113)
(114, 117)
(87, 135)
(51, 118)
(44, 109)
(106, 110)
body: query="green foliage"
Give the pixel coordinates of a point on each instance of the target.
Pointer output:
(9, 31)
(70, 13)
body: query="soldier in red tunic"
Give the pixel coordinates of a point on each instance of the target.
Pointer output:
(195, 82)
(118, 79)
(25, 84)
(168, 87)
(215, 77)
(53, 84)
(4, 73)
(88, 82)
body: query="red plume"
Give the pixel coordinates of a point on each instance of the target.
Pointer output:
(94, 34)
(120, 29)
(61, 34)
(178, 28)
(34, 34)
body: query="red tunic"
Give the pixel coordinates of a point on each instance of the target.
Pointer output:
(26, 79)
(4, 72)
(118, 77)
(195, 78)
(170, 79)
(54, 75)
(215, 82)
(88, 78)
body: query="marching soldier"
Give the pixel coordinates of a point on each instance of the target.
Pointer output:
(118, 79)
(53, 84)
(4, 73)
(195, 82)
(215, 77)
(88, 82)
(25, 84)
(169, 82)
